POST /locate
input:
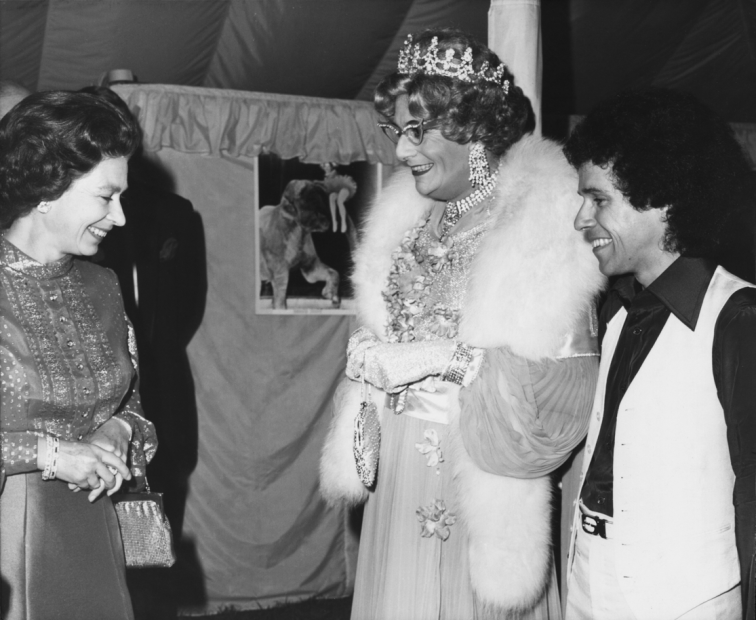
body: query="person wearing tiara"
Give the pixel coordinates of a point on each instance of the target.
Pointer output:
(476, 351)
(340, 188)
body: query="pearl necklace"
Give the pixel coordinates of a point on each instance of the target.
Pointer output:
(455, 209)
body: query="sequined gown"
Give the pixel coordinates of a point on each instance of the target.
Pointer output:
(413, 559)
(67, 365)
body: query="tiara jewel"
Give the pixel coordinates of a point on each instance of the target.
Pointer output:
(448, 64)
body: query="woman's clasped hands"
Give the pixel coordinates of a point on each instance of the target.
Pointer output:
(97, 464)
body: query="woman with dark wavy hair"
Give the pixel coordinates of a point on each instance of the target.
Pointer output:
(70, 417)
(475, 350)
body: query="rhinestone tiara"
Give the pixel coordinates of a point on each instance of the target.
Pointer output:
(450, 64)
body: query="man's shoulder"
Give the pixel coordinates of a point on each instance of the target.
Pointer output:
(736, 322)
(742, 303)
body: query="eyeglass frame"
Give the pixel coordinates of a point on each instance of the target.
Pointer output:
(397, 132)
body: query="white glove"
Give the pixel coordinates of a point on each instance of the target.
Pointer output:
(392, 366)
(359, 342)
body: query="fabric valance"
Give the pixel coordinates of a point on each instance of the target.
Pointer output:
(242, 124)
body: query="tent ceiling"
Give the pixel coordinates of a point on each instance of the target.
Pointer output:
(707, 47)
(340, 48)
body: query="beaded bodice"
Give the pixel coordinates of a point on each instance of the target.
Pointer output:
(427, 282)
(65, 366)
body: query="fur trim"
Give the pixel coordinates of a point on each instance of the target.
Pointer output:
(507, 521)
(398, 209)
(533, 277)
(339, 482)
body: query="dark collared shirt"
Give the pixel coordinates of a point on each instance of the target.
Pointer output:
(680, 290)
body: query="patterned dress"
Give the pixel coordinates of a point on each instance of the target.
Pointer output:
(413, 560)
(67, 365)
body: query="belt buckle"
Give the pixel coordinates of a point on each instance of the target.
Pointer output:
(595, 526)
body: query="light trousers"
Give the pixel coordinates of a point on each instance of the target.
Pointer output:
(593, 591)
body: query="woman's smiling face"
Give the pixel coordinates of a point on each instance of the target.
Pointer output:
(440, 166)
(77, 221)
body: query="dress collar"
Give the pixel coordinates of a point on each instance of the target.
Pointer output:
(681, 288)
(14, 259)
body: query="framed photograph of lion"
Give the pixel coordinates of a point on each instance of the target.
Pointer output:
(307, 222)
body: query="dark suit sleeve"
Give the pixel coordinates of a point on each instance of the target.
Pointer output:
(734, 358)
(193, 274)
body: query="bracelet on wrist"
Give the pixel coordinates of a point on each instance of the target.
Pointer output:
(457, 368)
(56, 452)
(51, 460)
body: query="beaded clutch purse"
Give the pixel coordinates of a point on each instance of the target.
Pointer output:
(367, 439)
(146, 533)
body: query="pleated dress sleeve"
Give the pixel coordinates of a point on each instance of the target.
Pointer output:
(522, 418)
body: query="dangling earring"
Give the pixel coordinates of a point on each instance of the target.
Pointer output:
(479, 170)
(43, 207)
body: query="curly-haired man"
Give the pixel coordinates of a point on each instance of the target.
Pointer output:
(665, 523)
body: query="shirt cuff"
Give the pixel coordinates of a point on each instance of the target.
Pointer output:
(126, 425)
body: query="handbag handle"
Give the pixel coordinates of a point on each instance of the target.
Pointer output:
(113, 471)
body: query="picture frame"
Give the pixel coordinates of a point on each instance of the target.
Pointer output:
(308, 220)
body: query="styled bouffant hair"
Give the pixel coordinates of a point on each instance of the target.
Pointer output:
(666, 148)
(52, 138)
(479, 111)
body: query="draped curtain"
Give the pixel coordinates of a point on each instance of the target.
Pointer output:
(255, 527)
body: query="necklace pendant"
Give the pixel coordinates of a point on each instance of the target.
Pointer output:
(456, 209)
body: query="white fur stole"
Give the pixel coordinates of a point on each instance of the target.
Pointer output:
(397, 210)
(508, 524)
(534, 276)
(339, 482)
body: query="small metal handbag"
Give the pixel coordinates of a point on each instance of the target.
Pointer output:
(146, 533)
(367, 438)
